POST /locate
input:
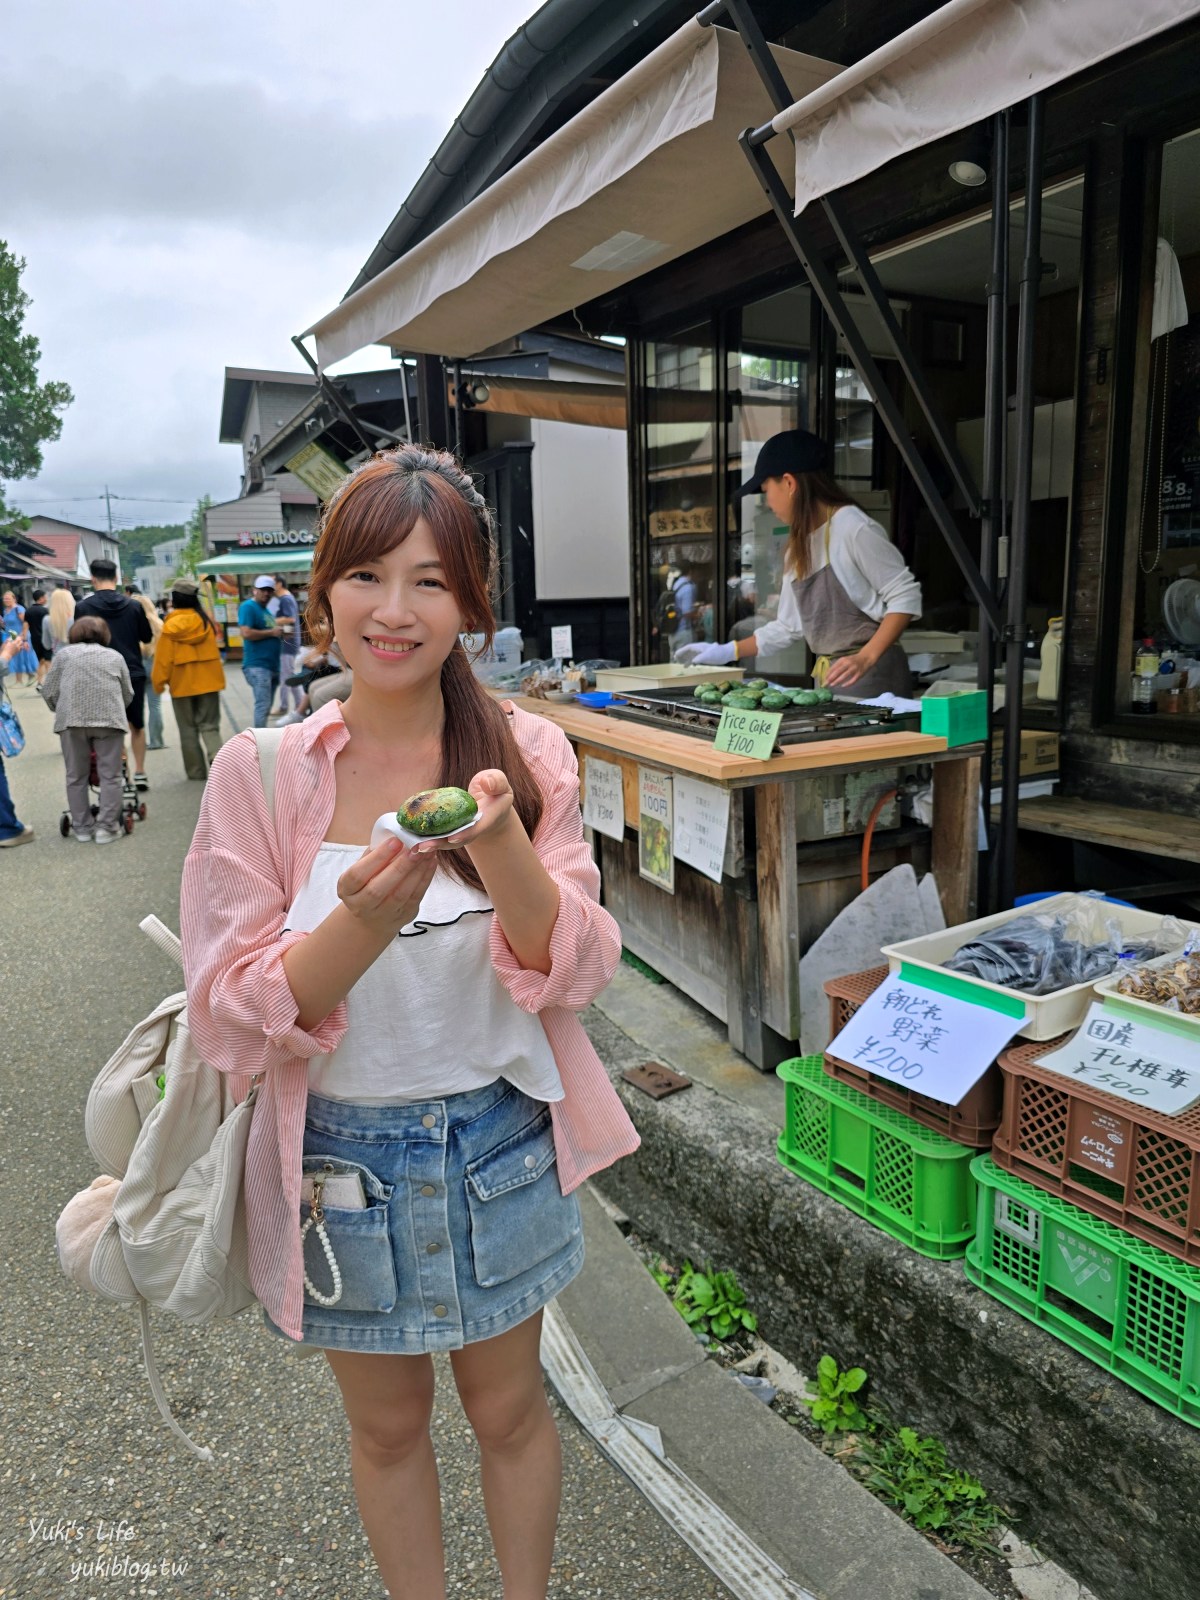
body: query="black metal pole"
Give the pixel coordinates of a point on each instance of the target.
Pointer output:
(458, 411)
(1031, 273)
(995, 488)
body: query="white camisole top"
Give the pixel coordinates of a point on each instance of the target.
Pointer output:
(429, 1018)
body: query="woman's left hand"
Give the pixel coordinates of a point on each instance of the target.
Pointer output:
(492, 793)
(849, 669)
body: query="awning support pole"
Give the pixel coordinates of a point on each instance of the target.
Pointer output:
(825, 286)
(334, 396)
(1015, 635)
(995, 471)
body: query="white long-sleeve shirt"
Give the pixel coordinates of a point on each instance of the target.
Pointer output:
(866, 564)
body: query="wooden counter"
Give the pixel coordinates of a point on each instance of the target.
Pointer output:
(735, 947)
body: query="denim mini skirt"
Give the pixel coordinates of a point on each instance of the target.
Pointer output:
(465, 1232)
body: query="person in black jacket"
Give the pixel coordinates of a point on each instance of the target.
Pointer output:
(130, 629)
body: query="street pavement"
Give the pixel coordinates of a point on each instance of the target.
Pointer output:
(95, 1494)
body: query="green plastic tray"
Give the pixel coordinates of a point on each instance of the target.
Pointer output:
(911, 1182)
(1125, 1304)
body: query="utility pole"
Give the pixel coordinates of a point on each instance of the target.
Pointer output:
(108, 505)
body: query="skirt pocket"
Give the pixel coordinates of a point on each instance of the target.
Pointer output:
(359, 1238)
(518, 1213)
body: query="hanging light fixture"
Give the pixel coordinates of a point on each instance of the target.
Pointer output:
(970, 164)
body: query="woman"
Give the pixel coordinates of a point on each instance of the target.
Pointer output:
(12, 830)
(187, 660)
(24, 662)
(88, 688)
(846, 590)
(62, 615)
(411, 1012)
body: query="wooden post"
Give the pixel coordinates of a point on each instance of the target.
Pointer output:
(956, 835)
(778, 906)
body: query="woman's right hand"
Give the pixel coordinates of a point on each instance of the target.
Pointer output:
(706, 655)
(385, 886)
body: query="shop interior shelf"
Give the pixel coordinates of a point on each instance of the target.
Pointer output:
(972, 1122)
(911, 1182)
(1138, 1168)
(1125, 1304)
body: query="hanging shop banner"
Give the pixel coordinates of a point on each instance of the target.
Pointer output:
(1133, 1060)
(701, 825)
(924, 1039)
(603, 797)
(656, 857)
(748, 733)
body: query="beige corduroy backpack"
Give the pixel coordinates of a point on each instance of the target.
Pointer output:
(166, 1225)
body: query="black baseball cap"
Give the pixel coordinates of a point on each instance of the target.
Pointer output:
(795, 451)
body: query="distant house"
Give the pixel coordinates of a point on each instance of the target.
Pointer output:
(73, 547)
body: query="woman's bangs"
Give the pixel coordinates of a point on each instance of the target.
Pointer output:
(375, 514)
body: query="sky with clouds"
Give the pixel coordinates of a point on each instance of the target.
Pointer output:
(192, 184)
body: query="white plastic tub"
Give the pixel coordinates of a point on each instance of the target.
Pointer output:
(1046, 1015)
(665, 675)
(1107, 990)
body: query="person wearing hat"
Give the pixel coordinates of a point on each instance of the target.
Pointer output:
(845, 591)
(187, 660)
(261, 642)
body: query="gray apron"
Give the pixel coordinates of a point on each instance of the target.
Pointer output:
(834, 626)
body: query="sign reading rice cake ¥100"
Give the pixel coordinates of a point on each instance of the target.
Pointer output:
(748, 733)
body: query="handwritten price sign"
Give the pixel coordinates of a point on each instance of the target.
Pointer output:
(748, 733)
(929, 1041)
(1133, 1060)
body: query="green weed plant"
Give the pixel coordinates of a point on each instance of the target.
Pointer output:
(713, 1303)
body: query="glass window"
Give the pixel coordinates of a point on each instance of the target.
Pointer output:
(1159, 669)
(680, 409)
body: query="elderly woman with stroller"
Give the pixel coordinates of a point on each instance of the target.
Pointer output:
(88, 688)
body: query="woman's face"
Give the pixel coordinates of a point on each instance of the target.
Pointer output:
(10, 600)
(779, 493)
(395, 619)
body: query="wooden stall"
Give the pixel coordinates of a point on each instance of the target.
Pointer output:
(735, 946)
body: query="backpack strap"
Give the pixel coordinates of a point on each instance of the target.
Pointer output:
(268, 741)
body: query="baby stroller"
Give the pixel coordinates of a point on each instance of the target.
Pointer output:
(133, 807)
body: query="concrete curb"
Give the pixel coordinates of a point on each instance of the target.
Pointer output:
(803, 1510)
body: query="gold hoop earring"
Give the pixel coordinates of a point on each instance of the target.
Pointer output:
(468, 641)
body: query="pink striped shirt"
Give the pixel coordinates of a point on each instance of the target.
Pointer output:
(240, 876)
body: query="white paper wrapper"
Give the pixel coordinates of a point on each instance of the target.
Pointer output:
(386, 827)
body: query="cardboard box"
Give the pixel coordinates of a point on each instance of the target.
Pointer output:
(1039, 754)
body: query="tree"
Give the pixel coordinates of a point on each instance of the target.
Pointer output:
(193, 551)
(29, 410)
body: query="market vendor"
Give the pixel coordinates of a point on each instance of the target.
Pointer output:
(846, 590)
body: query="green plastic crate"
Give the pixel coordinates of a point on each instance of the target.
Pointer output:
(1125, 1304)
(957, 718)
(908, 1180)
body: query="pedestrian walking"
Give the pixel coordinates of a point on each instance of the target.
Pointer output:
(154, 722)
(12, 830)
(429, 1101)
(24, 663)
(88, 688)
(35, 618)
(187, 661)
(62, 615)
(130, 630)
(284, 608)
(261, 640)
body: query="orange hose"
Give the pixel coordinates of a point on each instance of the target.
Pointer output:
(889, 794)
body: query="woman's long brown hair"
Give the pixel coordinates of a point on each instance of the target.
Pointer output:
(374, 510)
(817, 493)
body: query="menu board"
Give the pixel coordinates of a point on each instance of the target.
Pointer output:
(656, 853)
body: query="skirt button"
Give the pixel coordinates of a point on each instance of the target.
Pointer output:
(429, 1122)
(428, 1189)
(440, 1311)
(432, 1249)
(531, 1161)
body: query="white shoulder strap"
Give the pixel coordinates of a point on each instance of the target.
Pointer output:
(268, 741)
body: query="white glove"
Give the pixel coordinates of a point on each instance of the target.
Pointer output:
(706, 655)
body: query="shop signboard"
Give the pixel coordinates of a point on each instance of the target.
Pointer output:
(603, 797)
(1133, 1060)
(701, 825)
(656, 855)
(926, 1039)
(275, 539)
(318, 469)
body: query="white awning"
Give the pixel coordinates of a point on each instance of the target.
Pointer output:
(957, 66)
(648, 171)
